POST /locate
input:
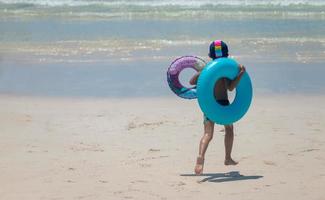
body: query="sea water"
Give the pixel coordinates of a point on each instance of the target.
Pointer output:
(94, 48)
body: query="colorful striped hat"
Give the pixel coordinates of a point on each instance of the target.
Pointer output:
(218, 49)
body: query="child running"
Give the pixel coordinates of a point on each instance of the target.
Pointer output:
(218, 49)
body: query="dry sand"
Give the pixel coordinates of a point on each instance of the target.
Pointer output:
(52, 148)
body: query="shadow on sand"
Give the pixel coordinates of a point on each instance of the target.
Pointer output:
(223, 177)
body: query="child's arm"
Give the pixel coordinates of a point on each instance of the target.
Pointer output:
(193, 80)
(233, 84)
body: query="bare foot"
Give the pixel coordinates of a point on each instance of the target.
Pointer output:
(230, 162)
(199, 165)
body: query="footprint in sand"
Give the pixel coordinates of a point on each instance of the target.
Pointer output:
(269, 163)
(178, 186)
(32, 148)
(25, 118)
(86, 147)
(131, 126)
(141, 181)
(145, 165)
(181, 183)
(154, 150)
(310, 150)
(152, 125)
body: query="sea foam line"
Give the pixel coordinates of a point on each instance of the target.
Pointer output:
(159, 3)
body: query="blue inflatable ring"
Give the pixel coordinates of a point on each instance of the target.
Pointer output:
(223, 68)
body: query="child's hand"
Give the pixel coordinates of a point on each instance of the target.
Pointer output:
(241, 69)
(234, 82)
(194, 79)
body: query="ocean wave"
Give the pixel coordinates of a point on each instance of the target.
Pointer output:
(119, 10)
(302, 49)
(159, 3)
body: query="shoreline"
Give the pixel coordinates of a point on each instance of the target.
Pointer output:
(169, 97)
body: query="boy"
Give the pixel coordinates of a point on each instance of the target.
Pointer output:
(218, 49)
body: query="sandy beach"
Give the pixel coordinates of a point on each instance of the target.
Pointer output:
(86, 112)
(145, 148)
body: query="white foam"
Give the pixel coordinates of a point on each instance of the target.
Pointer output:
(158, 3)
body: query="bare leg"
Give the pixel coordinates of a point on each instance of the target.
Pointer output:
(205, 140)
(229, 139)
